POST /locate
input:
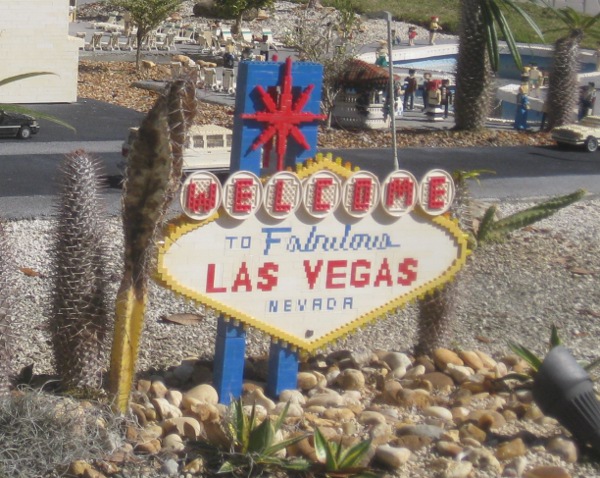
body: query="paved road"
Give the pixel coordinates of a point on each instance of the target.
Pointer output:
(28, 169)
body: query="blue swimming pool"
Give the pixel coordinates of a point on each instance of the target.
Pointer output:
(508, 69)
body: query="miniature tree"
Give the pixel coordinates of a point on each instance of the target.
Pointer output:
(154, 168)
(7, 304)
(478, 57)
(79, 315)
(236, 8)
(313, 37)
(563, 88)
(146, 15)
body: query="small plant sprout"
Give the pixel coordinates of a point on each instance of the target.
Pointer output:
(256, 447)
(340, 461)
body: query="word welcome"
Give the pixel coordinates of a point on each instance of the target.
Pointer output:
(320, 195)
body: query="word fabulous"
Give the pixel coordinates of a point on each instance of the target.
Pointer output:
(320, 195)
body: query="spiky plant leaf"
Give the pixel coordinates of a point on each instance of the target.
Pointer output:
(554, 338)
(533, 360)
(261, 437)
(325, 450)
(78, 320)
(352, 456)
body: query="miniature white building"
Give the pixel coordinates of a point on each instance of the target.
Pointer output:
(34, 37)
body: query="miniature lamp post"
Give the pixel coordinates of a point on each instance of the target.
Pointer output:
(388, 19)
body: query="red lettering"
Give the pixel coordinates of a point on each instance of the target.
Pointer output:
(383, 275)
(408, 271)
(320, 185)
(210, 280)
(312, 274)
(357, 279)
(279, 205)
(363, 189)
(201, 200)
(242, 279)
(332, 275)
(437, 191)
(242, 195)
(400, 188)
(266, 272)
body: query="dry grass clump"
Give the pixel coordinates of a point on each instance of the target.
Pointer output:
(41, 434)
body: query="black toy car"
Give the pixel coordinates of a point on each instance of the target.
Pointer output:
(17, 124)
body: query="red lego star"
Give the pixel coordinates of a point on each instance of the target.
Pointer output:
(283, 118)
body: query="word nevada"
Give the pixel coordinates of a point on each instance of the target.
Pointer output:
(320, 194)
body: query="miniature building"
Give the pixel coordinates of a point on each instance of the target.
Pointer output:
(34, 38)
(361, 103)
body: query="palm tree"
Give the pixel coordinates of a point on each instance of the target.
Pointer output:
(563, 91)
(479, 57)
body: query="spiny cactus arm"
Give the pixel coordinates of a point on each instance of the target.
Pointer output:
(486, 224)
(499, 229)
(182, 107)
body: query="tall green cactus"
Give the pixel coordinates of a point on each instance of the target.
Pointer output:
(154, 168)
(79, 316)
(7, 303)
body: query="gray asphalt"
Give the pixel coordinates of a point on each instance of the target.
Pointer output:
(28, 169)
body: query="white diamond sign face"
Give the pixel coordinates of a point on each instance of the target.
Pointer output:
(309, 280)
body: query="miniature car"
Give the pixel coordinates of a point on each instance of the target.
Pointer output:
(584, 133)
(16, 124)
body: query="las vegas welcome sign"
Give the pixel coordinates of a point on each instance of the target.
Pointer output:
(309, 256)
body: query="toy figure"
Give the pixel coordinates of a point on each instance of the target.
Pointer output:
(395, 37)
(525, 74)
(535, 80)
(412, 34)
(228, 60)
(410, 87)
(381, 58)
(587, 99)
(434, 27)
(434, 100)
(426, 80)
(522, 109)
(446, 96)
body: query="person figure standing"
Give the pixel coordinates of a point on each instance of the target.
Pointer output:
(412, 34)
(410, 83)
(434, 27)
(587, 100)
(426, 80)
(522, 109)
(535, 80)
(446, 96)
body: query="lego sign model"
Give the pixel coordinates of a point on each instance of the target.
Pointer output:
(309, 256)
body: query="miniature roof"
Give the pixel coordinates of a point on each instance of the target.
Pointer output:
(359, 73)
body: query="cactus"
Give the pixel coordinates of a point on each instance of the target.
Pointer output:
(79, 322)
(435, 315)
(496, 231)
(154, 169)
(7, 299)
